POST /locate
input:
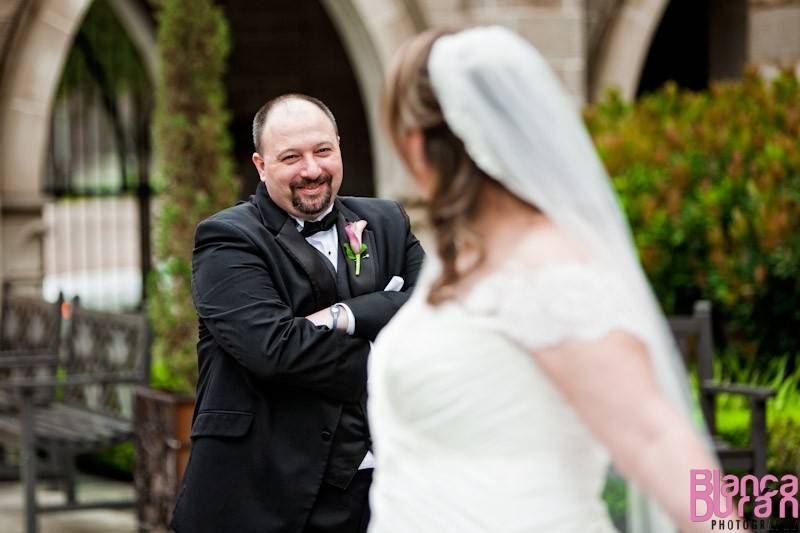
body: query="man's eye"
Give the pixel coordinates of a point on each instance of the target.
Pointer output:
(324, 150)
(289, 158)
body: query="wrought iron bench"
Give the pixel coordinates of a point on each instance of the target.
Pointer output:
(91, 407)
(30, 328)
(694, 336)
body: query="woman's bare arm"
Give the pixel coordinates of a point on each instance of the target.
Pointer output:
(610, 384)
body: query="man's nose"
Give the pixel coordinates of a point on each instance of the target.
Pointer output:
(311, 168)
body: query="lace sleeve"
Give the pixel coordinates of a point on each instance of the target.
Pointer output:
(541, 307)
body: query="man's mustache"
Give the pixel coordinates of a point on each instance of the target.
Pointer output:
(320, 180)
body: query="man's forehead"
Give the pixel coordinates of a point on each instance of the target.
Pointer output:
(294, 116)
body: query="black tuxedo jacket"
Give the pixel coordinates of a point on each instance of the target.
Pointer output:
(272, 385)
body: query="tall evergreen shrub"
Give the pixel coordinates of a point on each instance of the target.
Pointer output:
(193, 150)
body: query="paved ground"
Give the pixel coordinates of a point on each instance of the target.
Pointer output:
(100, 521)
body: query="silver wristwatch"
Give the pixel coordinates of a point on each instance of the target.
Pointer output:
(336, 310)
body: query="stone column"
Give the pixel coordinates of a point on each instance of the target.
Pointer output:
(774, 32)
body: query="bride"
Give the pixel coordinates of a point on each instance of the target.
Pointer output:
(533, 351)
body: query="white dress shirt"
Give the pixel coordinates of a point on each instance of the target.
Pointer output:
(327, 242)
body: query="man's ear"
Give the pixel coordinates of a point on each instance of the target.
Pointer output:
(260, 164)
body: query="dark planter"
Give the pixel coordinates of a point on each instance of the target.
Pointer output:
(163, 427)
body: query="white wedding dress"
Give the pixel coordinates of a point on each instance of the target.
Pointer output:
(469, 434)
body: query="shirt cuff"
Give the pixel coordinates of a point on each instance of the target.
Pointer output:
(351, 319)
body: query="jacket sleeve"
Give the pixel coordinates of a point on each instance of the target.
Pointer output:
(373, 311)
(235, 297)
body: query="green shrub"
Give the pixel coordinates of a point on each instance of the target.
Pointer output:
(784, 435)
(193, 150)
(615, 497)
(783, 410)
(710, 182)
(117, 462)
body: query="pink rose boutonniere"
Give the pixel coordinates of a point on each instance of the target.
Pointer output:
(355, 247)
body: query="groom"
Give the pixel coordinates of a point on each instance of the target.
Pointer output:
(280, 436)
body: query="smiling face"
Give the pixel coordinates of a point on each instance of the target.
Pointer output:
(299, 159)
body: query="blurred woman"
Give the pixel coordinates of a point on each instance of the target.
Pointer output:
(533, 351)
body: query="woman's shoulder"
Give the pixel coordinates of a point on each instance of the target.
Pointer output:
(542, 260)
(547, 303)
(547, 244)
(551, 278)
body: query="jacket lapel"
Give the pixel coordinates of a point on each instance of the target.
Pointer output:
(322, 282)
(296, 247)
(366, 281)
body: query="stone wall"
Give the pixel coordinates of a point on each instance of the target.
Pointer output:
(774, 29)
(10, 13)
(588, 42)
(558, 28)
(600, 16)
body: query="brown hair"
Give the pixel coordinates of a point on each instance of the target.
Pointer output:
(409, 103)
(261, 116)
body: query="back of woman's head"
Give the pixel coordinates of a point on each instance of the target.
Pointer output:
(409, 104)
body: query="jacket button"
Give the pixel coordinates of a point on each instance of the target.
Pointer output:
(326, 435)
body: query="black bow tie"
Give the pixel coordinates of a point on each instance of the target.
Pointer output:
(327, 222)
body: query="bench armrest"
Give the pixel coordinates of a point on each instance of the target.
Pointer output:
(23, 361)
(76, 380)
(22, 352)
(751, 391)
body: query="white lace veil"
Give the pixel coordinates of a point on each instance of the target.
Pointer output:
(500, 97)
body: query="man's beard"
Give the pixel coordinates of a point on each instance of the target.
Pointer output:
(318, 204)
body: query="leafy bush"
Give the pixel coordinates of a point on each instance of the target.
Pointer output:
(710, 182)
(193, 151)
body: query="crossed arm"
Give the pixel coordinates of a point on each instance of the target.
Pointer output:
(373, 311)
(394, 298)
(236, 299)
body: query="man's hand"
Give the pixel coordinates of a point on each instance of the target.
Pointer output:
(323, 318)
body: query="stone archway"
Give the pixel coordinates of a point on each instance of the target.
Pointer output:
(371, 31)
(32, 71)
(625, 47)
(30, 82)
(34, 64)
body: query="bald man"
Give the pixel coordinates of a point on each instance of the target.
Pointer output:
(286, 315)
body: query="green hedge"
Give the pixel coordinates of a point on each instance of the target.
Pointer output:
(711, 184)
